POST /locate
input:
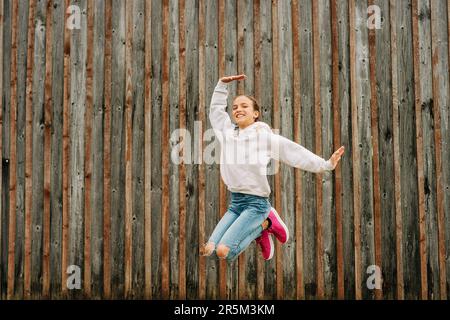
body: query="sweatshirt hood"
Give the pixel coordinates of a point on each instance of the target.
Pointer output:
(257, 126)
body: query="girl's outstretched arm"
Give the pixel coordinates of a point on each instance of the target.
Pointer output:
(298, 156)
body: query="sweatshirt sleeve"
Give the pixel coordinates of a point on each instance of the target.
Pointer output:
(218, 116)
(297, 156)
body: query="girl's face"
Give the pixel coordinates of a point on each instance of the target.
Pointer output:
(243, 112)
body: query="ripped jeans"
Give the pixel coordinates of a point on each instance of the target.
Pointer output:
(241, 224)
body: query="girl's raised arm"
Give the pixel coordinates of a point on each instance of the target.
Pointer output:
(218, 116)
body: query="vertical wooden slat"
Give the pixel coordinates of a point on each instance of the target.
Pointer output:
(386, 177)
(202, 167)
(248, 64)
(318, 147)
(231, 68)
(87, 151)
(286, 125)
(300, 287)
(174, 124)
(20, 147)
(6, 101)
(363, 117)
(106, 156)
(1, 139)
(195, 282)
(307, 137)
(337, 142)
(165, 155)
(117, 155)
(182, 169)
(97, 149)
(212, 171)
(137, 164)
(257, 93)
(128, 144)
(66, 155)
(346, 162)
(398, 212)
(443, 231)
(174, 168)
(444, 218)
(56, 201)
(440, 97)
(355, 152)
(375, 148)
(148, 150)
(222, 187)
(276, 125)
(47, 150)
(408, 161)
(419, 152)
(78, 125)
(12, 146)
(240, 90)
(328, 227)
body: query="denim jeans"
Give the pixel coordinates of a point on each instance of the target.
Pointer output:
(241, 224)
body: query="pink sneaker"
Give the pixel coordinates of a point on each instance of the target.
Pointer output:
(278, 228)
(266, 243)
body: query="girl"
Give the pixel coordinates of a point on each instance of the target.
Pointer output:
(246, 149)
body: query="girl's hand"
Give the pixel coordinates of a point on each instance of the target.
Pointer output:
(232, 78)
(336, 156)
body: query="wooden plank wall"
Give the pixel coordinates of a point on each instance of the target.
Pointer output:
(90, 117)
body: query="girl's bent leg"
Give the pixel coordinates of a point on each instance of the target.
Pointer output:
(244, 244)
(243, 231)
(228, 218)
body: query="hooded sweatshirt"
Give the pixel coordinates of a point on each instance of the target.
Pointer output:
(246, 153)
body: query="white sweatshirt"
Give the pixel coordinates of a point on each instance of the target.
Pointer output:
(245, 153)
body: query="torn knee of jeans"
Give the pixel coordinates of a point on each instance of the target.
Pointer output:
(222, 251)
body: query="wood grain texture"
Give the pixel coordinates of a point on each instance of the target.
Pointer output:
(395, 106)
(66, 156)
(165, 154)
(88, 153)
(299, 260)
(407, 152)
(1, 141)
(318, 147)
(307, 196)
(355, 150)
(97, 150)
(48, 108)
(419, 153)
(174, 168)
(197, 23)
(22, 27)
(107, 154)
(440, 87)
(13, 153)
(56, 175)
(128, 245)
(336, 95)
(346, 140)
(276, 122)
(375, 151)
(222, 186)
(182, 167)
(212, 174)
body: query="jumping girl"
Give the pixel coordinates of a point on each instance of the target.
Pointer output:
(246, 149)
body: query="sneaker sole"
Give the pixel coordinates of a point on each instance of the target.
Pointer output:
(272, 247)
(282, 224)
